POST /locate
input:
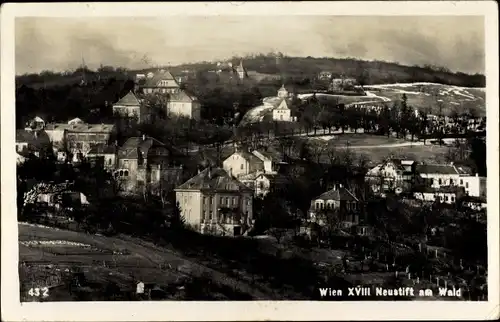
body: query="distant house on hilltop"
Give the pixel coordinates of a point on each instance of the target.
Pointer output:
(160, 82)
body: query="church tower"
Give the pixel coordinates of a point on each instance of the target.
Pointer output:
(242, 73)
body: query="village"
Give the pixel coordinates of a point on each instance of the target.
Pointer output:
(287, 170)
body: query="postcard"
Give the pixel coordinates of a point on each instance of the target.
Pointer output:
(249, 161)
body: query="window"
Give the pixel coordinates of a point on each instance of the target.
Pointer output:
(110, 161)
(446, 198)
(233, 201)
(441, 198)
(211, 200)
(221, 200)
(227, 201)
(452, 198)
(210, 215)
(451, 182)
(204, 200)
(204, 215)
(241, 166)
(281, 117)
(461, 181)
(439, 181)
(248, 202)
(317, 205)
(466, 185)
(261, 185)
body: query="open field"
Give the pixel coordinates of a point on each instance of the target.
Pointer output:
(422, 153)
(429, 95)
(352, 139)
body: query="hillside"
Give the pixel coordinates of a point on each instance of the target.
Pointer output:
(431, 95)
(206, 268)
(300, 68)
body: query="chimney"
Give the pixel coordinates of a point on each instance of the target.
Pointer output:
(477, 174)
(144, 137)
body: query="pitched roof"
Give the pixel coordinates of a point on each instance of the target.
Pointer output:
(159, 76)
(213, 179)
(128, 100)
(283, 105)
(437, 169)
(129, 150)
(102, 149)
(35, 138)
(340, 194)
(76, 120)
(182, 96)
(251, 158)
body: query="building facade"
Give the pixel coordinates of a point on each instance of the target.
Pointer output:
(146, 165)
(391, 175)
(242, 163)
(282, 113)
(183, 104)
(338, 202)
(212, 202)
(128, 106)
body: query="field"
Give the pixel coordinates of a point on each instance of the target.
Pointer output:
(429, 95)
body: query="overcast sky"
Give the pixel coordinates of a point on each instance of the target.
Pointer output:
(456, 42)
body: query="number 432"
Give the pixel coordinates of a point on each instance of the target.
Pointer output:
(44, 292)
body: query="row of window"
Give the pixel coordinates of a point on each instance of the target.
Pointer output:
(452, 182)
(224, 201)
(330, 205)
(87, 137)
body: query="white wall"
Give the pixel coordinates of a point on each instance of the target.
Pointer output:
(236, 165)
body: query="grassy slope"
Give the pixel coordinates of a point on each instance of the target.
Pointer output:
(430, 95)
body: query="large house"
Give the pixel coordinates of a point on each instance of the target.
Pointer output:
(184, 104)
(83, 137)
(438, 175)
(160, 82)
(145, 164)
(35, 143)
(213, 202)
(178, 101)
(77, 136)
(391, 175)
(443, 194)
(338, 201)
(128, 106)
(242, 162)
(107, 153)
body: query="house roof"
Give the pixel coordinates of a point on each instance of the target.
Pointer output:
(102, 149)
(76, 120)
(131, 147)
(97, 128)
(251, 158)
(35, 138)
(128, 100)
(159, 76)
(182, 96)
(266, 154)
(283, 105)
(213, 179)
(437, 169)
(340, 194)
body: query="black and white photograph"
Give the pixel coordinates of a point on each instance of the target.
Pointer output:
(232, 153)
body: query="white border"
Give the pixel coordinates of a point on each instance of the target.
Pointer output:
(12, 310)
